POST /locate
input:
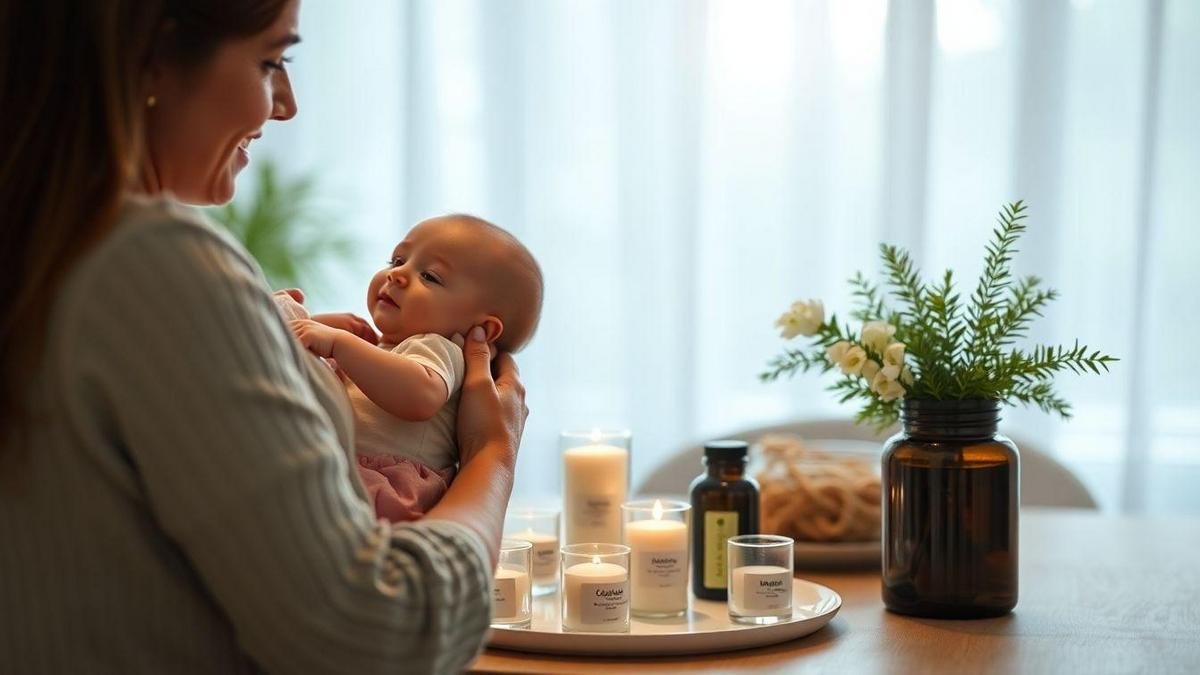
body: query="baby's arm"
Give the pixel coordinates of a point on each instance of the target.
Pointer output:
(396, 383)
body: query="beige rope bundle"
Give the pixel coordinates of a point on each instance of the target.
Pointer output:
(811, 495)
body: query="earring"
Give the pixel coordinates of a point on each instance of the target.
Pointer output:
(151, 101)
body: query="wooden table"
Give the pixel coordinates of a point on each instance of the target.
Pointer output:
(1098, 593)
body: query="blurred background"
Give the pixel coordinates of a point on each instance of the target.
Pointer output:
(684, 169)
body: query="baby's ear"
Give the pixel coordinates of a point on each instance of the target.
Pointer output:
(493, 328)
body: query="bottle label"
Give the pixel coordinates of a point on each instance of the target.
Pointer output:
(769, 591)
(601, 604)
(504, 598)
(718, 527)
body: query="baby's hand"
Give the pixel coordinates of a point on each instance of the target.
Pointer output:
(293, 293)
(316, 337)
(350, 323)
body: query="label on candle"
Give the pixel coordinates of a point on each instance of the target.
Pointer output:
(601, 604)
(719, 526)
(593, 511)
(504, 598)
(660, 569)
(771, 590)
(545, 560)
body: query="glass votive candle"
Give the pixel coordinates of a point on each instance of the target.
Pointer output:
(657, 533)
(538, 526)
(760, 578)
(595, 484)
(595, 588)
(512, 599)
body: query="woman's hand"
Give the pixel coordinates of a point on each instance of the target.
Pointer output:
(293, 293)
(491, 419)
(351, 323)
(492, 410)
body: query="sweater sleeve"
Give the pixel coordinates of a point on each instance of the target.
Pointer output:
(179, 340)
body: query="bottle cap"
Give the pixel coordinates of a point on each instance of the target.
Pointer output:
(726, 449)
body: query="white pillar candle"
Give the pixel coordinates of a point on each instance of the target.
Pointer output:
(545, 555)
(658, 564)
(760, 590)
(596, 597)
(511, 601)
(595, 482)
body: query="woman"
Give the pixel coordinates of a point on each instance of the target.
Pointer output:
(174, 484)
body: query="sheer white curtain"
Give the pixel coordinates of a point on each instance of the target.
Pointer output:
(684, 169)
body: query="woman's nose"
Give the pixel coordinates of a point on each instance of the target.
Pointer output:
(283, 105)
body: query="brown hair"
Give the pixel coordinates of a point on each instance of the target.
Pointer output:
(72, 107)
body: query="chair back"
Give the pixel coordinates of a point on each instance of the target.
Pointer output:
(1044, 480)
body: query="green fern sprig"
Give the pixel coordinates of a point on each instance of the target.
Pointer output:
(950, 351)
(995, 279)
(869, 298)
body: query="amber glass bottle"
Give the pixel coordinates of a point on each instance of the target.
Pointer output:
(724, 505)
(951, 489)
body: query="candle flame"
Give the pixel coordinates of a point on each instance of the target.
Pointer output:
(596, 436)
(595, 560)
(657, 509)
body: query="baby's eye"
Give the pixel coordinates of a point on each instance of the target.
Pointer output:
(395, 261)
(427, 276)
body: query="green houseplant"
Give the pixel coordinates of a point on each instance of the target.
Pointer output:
(283, 225)
(944, 367)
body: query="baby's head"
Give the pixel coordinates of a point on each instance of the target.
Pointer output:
(454, 272)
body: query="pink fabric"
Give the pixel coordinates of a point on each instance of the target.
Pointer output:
(401, 489)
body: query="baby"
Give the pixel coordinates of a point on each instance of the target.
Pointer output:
(448, 275)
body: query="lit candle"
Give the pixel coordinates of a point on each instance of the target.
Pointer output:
(658, 564)
(510, 596)
(761, 590)
(595, 482)
(596, 597)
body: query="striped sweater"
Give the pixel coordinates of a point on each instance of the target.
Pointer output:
(182, 501)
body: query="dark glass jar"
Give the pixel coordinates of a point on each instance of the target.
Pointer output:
(724, 505)
(951, 493)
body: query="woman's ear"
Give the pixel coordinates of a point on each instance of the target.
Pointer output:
(158, 69)
(493, 328)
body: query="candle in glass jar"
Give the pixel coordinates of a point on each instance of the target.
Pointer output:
(658, 564)
(596, 597)
(595, 482)
(545, 555)
(761, 590)
(510, 596)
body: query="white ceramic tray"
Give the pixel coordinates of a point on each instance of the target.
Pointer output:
(706, 628)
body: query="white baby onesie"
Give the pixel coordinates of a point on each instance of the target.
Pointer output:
(430, 442)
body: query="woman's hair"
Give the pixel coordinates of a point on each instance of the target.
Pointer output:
(73, 78)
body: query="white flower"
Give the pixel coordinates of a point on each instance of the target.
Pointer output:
(893, 354)
(837, 351)
(886, 387)
(869, 369)
(877, 334)
(804, 318)
(906, 377)
(890, 372)
(852, 362)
